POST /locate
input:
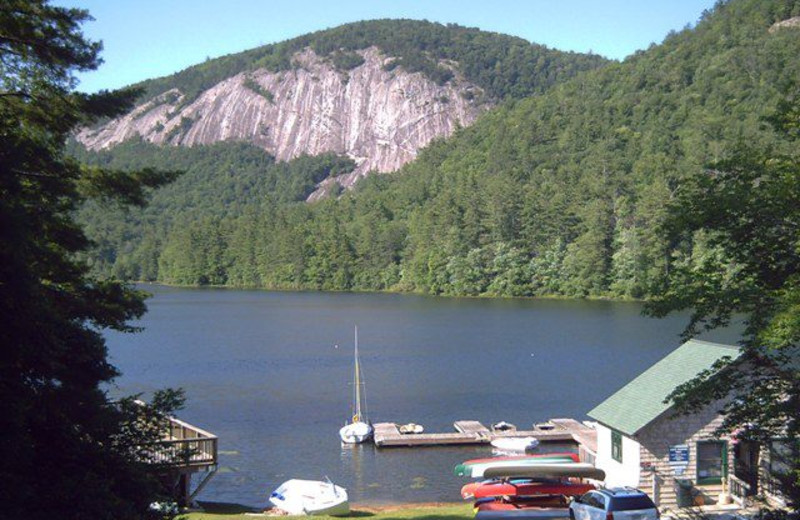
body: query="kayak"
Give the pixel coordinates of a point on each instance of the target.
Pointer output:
(468, 468)
(575, 470)
(526, 489)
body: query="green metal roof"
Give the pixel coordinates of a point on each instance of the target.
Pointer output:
(639, 402)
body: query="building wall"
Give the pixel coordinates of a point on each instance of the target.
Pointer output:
(671, 429)
(618, 474)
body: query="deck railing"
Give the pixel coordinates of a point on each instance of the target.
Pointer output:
(771, 486)
(184, 445)
(739, 489)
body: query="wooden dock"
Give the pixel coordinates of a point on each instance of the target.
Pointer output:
(387, 435)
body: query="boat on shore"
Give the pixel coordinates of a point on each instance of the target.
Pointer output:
(311, 497)
(359, 429)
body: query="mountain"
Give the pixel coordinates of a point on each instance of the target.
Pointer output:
(375, 91)
(557, 193)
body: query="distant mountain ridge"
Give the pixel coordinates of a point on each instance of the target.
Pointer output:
(374, 91)
(559, 193)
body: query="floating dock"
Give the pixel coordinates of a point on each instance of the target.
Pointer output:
(388, 435)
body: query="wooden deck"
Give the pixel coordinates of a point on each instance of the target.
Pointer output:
(184, 450)
(474, 432)
(185, 446)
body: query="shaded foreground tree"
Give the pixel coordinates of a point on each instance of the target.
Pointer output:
(66, 450)
(738, 228)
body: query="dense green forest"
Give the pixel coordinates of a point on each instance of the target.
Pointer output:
(504, 66)
(556, 194)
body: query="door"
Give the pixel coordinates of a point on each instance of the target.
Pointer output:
(745, 464)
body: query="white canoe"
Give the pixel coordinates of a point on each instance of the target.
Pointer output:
(355, 433)
(310, 497)
(573, 470)
(511, 444)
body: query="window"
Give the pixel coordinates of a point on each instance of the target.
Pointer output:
(712, 461)
(631, 503)
(616, 446)
(595, 500)
(780, 456)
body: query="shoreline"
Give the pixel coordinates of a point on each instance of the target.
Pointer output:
(377, 510)
(547, 297)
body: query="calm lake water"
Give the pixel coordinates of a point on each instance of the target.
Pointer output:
(263, 371)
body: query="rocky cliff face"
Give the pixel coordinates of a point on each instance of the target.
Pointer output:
(379, 118)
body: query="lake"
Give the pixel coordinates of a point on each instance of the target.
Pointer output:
(270, 373)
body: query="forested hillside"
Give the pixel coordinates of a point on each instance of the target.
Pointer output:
(556, 194)
(504, 66)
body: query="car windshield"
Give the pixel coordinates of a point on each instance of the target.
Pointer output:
(631, 503)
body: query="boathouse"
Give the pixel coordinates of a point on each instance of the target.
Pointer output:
(642, 442)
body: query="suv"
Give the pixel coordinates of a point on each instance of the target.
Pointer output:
(613, 504)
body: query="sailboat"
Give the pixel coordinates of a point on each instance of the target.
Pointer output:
(358, 429)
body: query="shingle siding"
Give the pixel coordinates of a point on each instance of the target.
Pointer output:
(671, 429)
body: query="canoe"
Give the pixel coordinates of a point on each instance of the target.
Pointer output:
(311, 497)
(478, 470)
(465, 469)
(515, 444)
(575, 470)
(561, 454)
(526, 489)
(468, 490)
(528, 513)
(521, 503)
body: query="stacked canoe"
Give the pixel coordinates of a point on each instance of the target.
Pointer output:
(530, 486)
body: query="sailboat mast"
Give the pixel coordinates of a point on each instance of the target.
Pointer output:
(357, 416)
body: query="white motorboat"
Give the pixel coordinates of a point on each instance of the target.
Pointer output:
(311, 497)
(358, 429)
(503, 426)
(517, 445)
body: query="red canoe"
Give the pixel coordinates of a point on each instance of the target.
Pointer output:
(468, 490)
(511, 489)
(523, 503)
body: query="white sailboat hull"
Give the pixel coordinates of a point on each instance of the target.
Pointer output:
(355, 433)
(311, 497)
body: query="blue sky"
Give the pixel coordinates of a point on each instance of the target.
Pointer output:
(150, 38)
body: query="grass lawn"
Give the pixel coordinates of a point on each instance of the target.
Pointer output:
(217, 511)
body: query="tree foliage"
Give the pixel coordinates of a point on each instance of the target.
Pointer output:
(560, 193)
(746, 210)
(503, 65)
(65, 445)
